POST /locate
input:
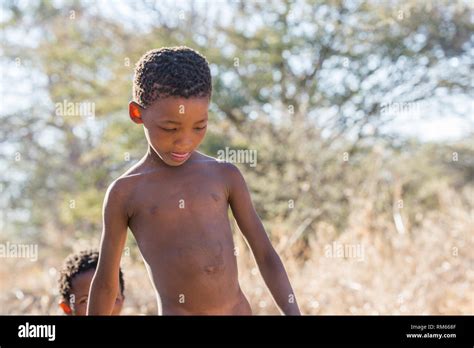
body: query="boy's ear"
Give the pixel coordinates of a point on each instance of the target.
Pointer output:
(135, 112)
(65, 307)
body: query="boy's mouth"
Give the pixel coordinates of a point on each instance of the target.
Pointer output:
(179, 157)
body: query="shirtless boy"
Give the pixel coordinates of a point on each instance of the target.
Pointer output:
(175, 201)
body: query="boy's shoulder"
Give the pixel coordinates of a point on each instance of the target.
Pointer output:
(123, 185)
(223, 167)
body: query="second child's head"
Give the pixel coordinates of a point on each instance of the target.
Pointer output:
(171, 94)
(75, 281)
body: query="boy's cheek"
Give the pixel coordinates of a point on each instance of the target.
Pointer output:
(153, 139)
(201, 139)
(80, 309)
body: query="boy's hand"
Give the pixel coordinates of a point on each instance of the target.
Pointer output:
(105, 284)
(268, 261)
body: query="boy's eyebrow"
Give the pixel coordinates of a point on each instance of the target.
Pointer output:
(204, 119)
(177, 122)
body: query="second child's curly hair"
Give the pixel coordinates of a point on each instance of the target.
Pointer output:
(76, 263)
(171, 72)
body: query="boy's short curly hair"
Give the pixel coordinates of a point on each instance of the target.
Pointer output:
(171, 72)
(76, 263)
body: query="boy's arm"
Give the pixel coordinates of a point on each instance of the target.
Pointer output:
(265, 255)
(105, 284)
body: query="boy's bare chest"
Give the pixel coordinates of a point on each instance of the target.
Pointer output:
(167, 199)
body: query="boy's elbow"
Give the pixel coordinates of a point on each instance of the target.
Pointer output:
(269, 259)
(103, 287)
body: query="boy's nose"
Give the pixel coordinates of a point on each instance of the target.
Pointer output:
(183, 144)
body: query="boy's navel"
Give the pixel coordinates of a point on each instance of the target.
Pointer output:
(207, 257)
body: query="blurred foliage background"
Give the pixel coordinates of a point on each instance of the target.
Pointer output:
(315, 87)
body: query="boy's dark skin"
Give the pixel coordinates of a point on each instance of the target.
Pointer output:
(178, 213)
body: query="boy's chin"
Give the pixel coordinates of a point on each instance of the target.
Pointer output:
(171, 164)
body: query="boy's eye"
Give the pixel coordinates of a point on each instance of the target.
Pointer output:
(200, 128)
(169, 129)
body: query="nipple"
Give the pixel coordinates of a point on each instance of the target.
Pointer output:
(213, 269)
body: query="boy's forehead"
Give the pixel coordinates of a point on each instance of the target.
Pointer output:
(82, 280)
(176, 106)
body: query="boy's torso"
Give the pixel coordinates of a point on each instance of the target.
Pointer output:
(179, 217)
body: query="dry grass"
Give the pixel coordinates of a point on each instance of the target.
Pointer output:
(427, 270)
